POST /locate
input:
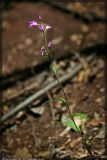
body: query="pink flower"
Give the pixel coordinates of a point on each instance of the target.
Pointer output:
(32, 23)
(39, 17)
(43, 50)
(42, 27)
(50, 44)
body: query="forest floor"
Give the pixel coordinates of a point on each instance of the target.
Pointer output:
(34, 134)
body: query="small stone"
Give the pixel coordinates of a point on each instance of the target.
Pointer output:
(10, 58)
(98, 100)
(18, 139)
(5, 25)
(72, 64)
(38, 110)
(20, 46)
(28, 41)
(5, 108)
(62, 64)
(84, 28)
(76, 38)
(14, 51)
(102, 90)
(19, 115)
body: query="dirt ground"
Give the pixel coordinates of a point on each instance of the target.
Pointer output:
(29, 134)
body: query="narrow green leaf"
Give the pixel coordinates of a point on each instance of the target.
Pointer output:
(54, 100)
(48, 101)
(62, 99)
(81, 115)
(53, 69)
(72, 125)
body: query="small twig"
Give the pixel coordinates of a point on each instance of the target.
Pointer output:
(51, 107)
(75, 142)
(21, 75)
(66, 130)
(20, 92)
(63, 146)
(34, 136)
(36, 82)
(52, 151)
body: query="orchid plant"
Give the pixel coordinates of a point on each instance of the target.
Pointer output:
(46, 52)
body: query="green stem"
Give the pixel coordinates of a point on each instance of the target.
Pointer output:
(81, 134)
(68, 108)
(47, 50)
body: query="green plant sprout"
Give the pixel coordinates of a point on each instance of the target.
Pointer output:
(46, 53)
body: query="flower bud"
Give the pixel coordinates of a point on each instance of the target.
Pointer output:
(50, 45)
(39, 17)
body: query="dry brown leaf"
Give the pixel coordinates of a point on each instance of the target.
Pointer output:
(96, 122)
(43, 154)
(22, 153)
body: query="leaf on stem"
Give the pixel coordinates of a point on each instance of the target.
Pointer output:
(72, 125)
(81, 115)
(53, 69)
(54, 100)
(62, 100)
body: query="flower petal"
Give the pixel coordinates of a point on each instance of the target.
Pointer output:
(42, 51)
(32, 23)
(48, 27)
(42, 27)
